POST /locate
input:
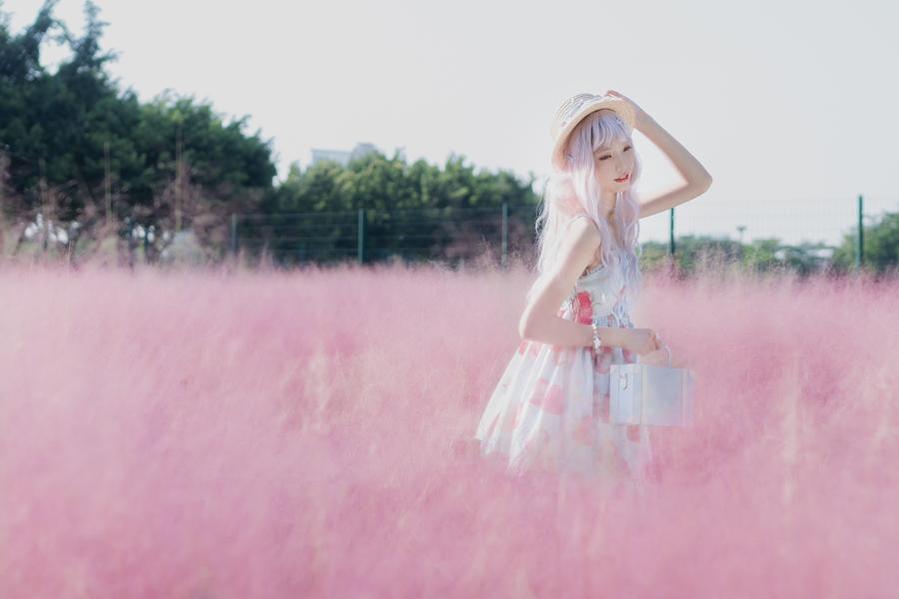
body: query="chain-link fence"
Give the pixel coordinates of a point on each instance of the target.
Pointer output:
(412, 235)
(804, 235)
(816, 228)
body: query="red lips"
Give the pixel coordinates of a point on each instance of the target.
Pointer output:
(623, 179)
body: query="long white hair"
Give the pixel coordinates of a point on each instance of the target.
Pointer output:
(576, 189)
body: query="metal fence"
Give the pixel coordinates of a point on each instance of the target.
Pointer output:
(369, 235)
(460, 233)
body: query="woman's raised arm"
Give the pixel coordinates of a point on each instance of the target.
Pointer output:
(697, 179)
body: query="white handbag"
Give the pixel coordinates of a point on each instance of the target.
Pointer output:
(645, 394)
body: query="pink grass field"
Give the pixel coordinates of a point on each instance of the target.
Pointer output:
(308, 434)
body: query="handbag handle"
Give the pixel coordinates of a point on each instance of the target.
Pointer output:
(667, 349)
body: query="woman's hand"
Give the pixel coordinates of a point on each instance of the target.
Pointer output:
(642, 341)
(659, 357)
(639, 113)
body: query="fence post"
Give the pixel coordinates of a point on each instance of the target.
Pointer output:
(505, 234)
(671, 232)
(360, 237)
(860, 238)
(234, 233)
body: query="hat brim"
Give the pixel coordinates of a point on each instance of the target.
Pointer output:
(621, 107)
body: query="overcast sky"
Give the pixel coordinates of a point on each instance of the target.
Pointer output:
(791, 106)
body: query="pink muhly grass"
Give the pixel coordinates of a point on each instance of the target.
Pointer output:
(309, 434)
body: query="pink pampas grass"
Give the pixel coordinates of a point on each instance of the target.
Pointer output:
(309, 434)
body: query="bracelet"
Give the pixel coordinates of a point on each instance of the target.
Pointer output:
(597, 342)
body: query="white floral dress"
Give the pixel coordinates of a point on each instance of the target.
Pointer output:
(550, 409)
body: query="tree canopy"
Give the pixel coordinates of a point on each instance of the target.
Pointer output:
(75, 147)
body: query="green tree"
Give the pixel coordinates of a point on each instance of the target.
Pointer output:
(416, 211)
(78, 151)
(881, 252)
(761, 255)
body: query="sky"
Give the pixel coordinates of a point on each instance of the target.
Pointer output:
(790, 106)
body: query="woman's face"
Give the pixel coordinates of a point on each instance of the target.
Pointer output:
(614, 163)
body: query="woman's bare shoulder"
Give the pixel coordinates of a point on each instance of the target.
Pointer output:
(581, 228)
(584, 237)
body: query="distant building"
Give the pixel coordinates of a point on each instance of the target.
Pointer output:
(341, 156)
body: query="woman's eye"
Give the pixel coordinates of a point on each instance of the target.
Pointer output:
(609, 155)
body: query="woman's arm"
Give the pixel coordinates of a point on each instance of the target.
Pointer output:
(539, 321)
(698, 180)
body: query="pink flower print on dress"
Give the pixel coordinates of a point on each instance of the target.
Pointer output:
(550, 398)
(583, 308)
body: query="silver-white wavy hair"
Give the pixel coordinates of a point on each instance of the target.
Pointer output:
(576, 189)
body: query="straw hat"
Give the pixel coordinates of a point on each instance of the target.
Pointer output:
(574, 109)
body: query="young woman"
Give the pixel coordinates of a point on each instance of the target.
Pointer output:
(550, 408)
